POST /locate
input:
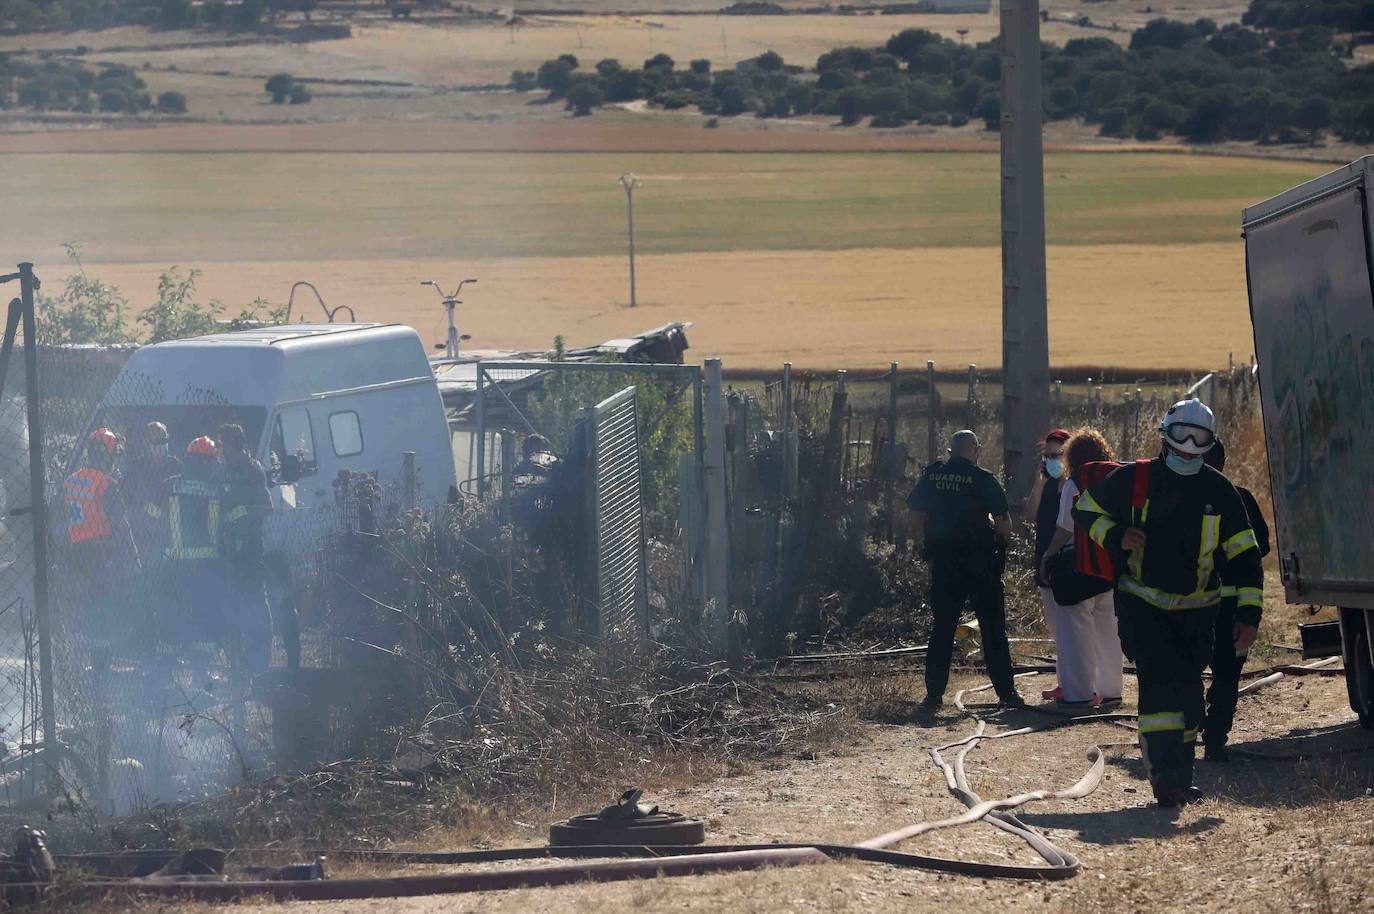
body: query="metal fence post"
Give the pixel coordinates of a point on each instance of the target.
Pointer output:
(717, 517)
(934, 407)
(39, 511)
(481, 410)
(408, 478)
(1058, 402)
(968, 404)
(889, 473)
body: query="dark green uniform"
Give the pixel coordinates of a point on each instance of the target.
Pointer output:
(966, 562)
(245, 498)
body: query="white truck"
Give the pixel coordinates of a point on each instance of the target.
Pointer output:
(1308, 262)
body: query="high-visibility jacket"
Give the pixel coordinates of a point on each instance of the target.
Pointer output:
(1192, 524)
(193, 519)
(86, 494)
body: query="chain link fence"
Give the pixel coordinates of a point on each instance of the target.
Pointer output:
(556, 416)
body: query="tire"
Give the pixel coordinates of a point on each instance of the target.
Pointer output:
(1359, 672)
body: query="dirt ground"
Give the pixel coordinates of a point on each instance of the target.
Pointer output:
(1275, 833)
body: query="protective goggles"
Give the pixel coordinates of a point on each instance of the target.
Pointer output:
(1181, 433)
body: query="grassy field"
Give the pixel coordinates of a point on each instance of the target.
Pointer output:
(826, 260)
(192, 209)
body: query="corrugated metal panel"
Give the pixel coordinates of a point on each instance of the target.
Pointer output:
(619, 523)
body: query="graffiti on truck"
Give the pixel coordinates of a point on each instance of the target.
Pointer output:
(1314, 332)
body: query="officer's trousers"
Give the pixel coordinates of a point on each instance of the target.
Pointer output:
(958, 574)
(1170, 648)
(249, 615)
(1226, 667)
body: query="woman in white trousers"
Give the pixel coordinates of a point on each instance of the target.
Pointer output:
(1089, 648)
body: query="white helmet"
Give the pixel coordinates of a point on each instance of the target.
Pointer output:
(1189, 427)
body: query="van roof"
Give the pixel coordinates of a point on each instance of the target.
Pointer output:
(276, 335)
(273, 365)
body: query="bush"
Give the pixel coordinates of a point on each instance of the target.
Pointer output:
(300, 95)
(583, 96)
(171, 103)
(556, 76)
(523, 81)
(279, 87)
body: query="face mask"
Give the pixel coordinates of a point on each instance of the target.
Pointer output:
(1183, 466)
(1054, 466)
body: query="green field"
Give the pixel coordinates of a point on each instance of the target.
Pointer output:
(192, 208)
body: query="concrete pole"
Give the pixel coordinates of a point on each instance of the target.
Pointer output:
(1025, 322)
(717, 517)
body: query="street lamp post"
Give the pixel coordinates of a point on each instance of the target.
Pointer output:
(453, 342)
(630, 182)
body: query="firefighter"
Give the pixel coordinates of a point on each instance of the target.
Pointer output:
(97, 524)
(960, 511)
(102, 551)
(1228, 661)
(1190, 538)
(247, 502)
(145, 488)
(194, 557)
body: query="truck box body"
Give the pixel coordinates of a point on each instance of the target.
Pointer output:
(1308, 264)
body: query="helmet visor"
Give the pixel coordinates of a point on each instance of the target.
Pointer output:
(1182, 433)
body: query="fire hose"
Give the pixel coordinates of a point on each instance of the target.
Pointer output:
(626, 862)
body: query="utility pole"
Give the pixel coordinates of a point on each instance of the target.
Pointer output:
(1025, 322)
(630, 182)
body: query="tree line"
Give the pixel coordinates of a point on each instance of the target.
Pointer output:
(1342, 15)
(1190, 79)
(37, 15)
(70, 85)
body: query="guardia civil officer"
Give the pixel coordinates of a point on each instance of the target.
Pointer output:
(960, 512)
(1188, 540)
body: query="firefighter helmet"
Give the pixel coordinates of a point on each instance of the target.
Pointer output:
(1189, 427)
(105, 439)
(204, 446)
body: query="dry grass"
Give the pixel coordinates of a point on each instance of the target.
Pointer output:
(827, 309)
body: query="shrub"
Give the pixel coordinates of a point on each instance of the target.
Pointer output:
(300, 95)
(171, 103)
(279, 87)
(583, 96)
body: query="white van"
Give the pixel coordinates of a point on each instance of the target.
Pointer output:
(314, 400)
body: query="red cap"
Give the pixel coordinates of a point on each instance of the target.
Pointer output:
(1059, 434)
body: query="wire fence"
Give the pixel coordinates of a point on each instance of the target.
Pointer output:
(188, 654)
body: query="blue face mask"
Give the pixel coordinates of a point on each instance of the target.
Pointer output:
(1054, 466)
(1183, 466)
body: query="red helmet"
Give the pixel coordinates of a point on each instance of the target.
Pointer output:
(204, 446)
(104, 438)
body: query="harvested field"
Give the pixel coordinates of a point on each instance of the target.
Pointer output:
(827, 260)
(818, 309)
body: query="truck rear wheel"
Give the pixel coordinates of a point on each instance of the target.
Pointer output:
(1359, 671)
